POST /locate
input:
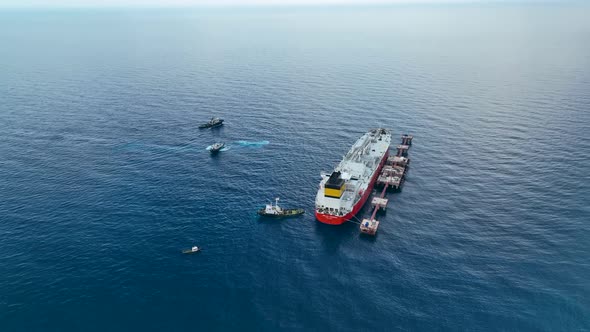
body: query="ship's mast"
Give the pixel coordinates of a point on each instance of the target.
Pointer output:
(277, 208)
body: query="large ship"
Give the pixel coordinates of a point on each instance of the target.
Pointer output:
(344, 192)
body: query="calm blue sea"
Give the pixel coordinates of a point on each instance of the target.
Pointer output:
(105, 178)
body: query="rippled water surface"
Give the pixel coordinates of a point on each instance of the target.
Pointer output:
(104, 176)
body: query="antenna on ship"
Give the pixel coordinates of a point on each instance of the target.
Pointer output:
(277, 204)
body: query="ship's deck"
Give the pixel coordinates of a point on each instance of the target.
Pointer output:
(358, 167)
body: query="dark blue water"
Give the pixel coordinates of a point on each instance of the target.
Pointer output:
(104, 176)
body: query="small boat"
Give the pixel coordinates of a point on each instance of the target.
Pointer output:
(214, 122)
(275, 211)
(192, 250)
(216, 147)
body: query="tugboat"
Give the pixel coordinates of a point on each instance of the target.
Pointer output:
(214, 122)
(274, 211)
(216, 147)
(192, 250)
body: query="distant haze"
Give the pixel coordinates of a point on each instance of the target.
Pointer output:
(177, 3)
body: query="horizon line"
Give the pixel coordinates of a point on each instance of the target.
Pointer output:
(180, 4)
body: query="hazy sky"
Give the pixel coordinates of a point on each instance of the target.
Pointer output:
(166, 3)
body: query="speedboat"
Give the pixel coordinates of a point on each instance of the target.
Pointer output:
(192, 250)
(216, 147)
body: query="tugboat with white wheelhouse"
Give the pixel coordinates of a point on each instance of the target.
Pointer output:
(275, 211)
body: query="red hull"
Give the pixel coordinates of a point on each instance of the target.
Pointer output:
(339, 220)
